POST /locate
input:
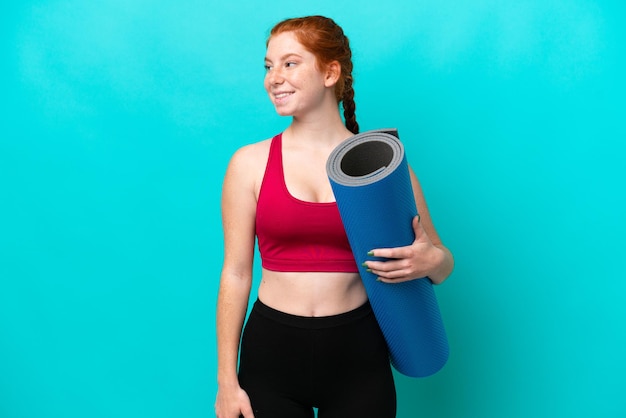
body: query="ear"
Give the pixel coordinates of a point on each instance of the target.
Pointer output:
(333, 72)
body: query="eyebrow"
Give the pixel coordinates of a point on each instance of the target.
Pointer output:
(284, 57)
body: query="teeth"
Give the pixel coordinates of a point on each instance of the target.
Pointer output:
(281, 95)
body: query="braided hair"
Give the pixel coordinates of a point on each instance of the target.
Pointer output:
(325, 39)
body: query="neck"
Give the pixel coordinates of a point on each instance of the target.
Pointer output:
(325, 129)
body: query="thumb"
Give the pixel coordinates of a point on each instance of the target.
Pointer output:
(416, 223)
(417, 228)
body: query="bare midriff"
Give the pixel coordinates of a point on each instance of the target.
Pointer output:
(312, 294)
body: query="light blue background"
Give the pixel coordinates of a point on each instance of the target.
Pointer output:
(117, 122)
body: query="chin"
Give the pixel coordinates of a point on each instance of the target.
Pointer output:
(284, 112)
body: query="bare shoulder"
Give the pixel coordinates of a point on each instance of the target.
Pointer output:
(252, 154)
(247, 165)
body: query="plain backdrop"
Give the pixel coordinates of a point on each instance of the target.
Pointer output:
(119, 117)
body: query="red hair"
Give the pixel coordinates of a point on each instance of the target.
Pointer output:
(325, 39)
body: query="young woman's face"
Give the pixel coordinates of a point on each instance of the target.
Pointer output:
(293, 81)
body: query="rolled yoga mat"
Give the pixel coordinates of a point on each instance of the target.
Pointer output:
(370, 179)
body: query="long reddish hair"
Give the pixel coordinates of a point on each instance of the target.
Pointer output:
(325, 39)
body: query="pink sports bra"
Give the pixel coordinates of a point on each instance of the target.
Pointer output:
(295, 235)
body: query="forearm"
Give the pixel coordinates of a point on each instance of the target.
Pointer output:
(231, 311)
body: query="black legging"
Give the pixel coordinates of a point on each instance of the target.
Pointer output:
(338, 364)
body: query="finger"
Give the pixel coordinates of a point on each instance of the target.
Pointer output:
(247, 412)
(398, 271)
(391, 253)
(246, 409)
(392, 276)
(386, 266)
(395, 280)
(388, 280)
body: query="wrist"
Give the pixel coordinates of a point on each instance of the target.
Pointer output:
(227, 380)
(438, 264)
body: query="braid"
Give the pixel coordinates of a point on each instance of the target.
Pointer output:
(327, 41)
(349, 106)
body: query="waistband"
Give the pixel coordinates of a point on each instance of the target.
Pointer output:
(312, 322)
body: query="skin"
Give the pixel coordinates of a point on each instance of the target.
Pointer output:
(299, 88)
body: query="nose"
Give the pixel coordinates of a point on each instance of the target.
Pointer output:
(274, 76)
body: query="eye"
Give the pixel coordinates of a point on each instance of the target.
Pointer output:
(290, 64)
(267, 67)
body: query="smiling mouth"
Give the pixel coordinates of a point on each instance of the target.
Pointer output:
(282, 95)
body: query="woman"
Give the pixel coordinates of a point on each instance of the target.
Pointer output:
(311, 339)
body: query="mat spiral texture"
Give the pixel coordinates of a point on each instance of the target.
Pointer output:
(370, 179)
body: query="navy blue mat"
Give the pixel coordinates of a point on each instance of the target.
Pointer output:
(370, 179)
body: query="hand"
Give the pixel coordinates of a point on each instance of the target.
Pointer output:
(412, 262)
(233, 403)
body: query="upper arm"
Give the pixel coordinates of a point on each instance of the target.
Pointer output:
(239, 197)
(422, 209)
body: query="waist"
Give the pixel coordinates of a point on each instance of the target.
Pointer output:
(312, 322)
(312, 293)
